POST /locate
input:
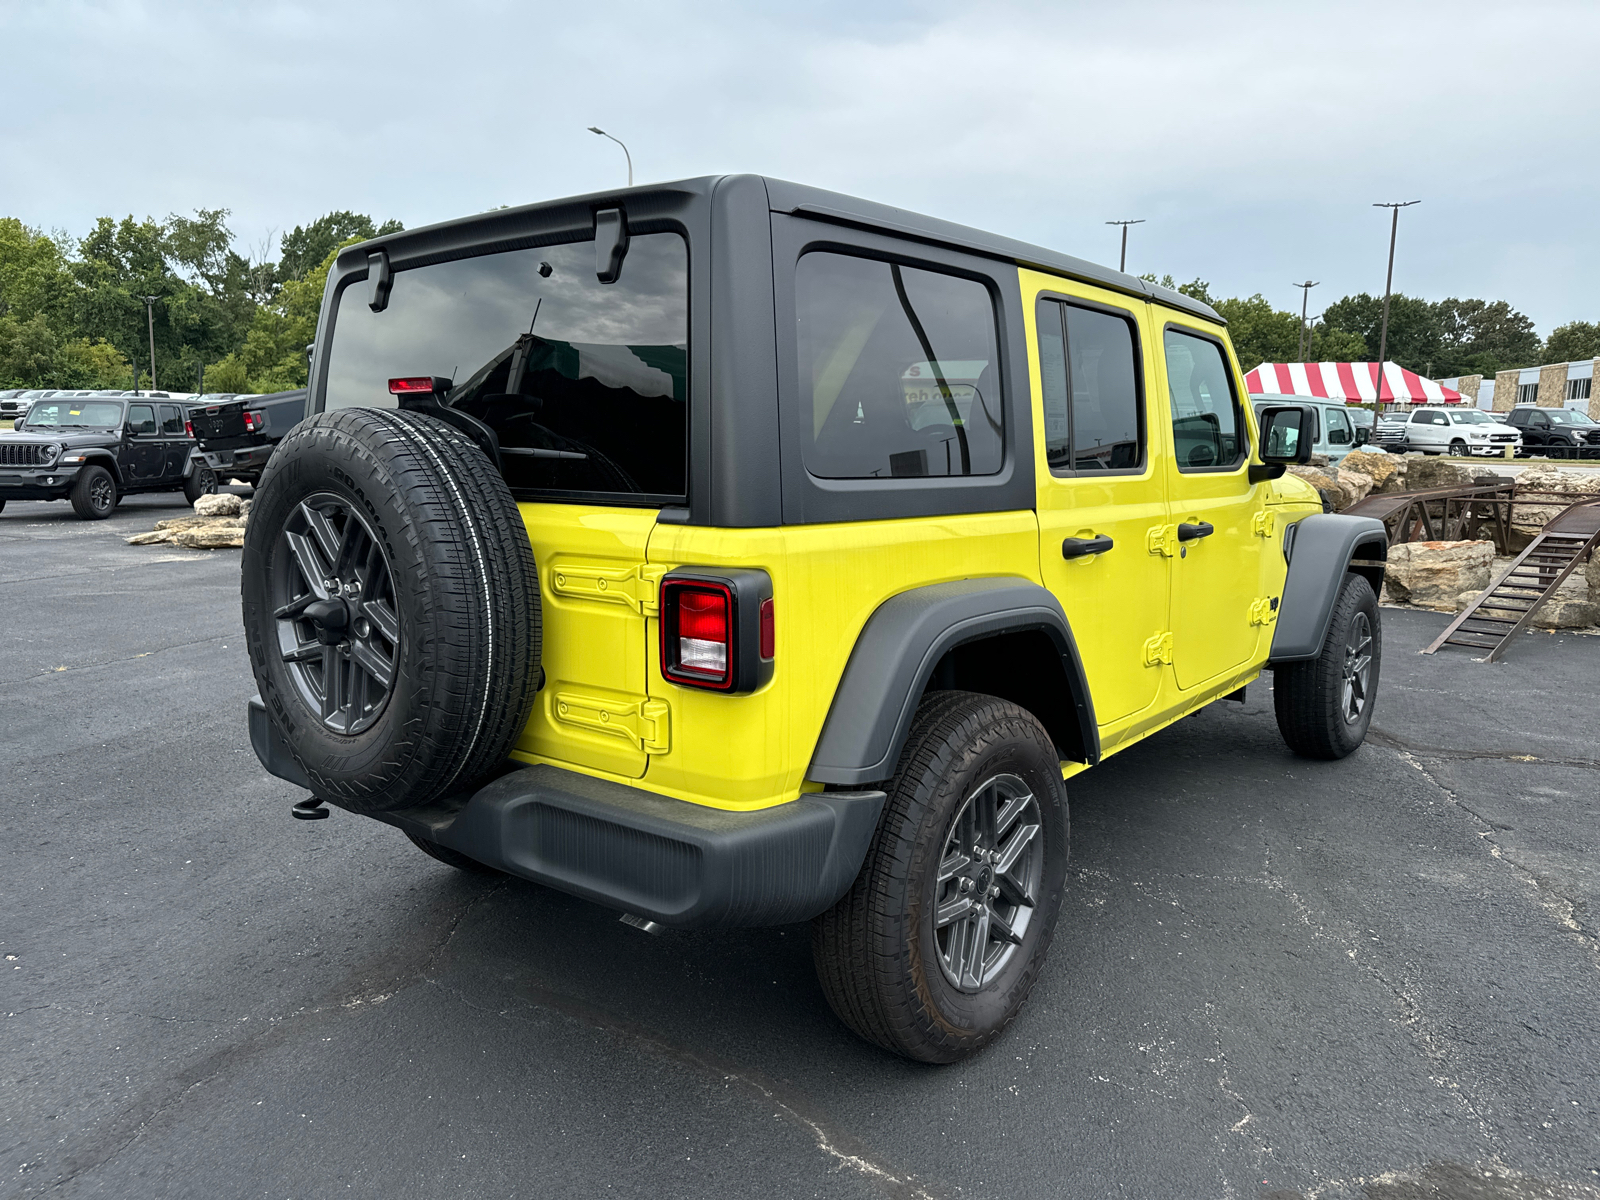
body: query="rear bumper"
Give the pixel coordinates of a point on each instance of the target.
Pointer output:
(248, 458)
(678, 863)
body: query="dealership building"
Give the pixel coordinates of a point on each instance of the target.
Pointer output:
(1555, 385)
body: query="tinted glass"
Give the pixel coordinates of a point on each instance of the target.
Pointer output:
(586, 384)
(1206, 425)
(142, 417)
(899, 370)
(92, 414)
(1339, 433)
(1100, 430)
(171, 419)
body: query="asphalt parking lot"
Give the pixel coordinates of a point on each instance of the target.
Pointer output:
(1377, 978)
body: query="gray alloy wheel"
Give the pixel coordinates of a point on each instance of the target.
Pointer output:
(333, 598)
(988, 886)
(1357, 684)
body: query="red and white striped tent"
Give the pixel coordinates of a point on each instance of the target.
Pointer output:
(1354, 383)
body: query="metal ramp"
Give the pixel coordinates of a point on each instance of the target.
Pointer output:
(1508, 604)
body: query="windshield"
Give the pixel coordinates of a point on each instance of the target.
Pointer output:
(1472, 417)
(584, 383)
(1569, 416)
(74, 414)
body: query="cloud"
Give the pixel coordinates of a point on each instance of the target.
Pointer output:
(1252, 137)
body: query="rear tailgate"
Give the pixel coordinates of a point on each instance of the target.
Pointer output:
(222, 426)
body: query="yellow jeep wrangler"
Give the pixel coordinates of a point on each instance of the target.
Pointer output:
(783, 568)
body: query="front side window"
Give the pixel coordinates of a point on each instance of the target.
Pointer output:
(899, 370)
(142, 418)
(584, 383)
(1339, 432)
(1207, 429)
(1089, 376)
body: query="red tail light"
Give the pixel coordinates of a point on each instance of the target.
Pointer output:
(254, 421)
(701, 648)
(188, 427)
(716, 628)
(414, 383)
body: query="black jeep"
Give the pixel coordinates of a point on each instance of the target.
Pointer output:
(95, 450)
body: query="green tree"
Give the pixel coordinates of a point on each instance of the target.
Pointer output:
(273, 357)
(33, 274)
(306, 246)
(1573, 342)
(1259, 332)
(1482, 337)
(1415, 339)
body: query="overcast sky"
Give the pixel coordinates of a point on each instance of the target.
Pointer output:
(1253, 138)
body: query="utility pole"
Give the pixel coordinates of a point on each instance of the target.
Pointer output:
(1303, 346)
(618, 141)
(150, 314)
(1388, 286)
(1123, 264)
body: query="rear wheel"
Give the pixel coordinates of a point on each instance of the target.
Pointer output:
(937, 944)
(391, 608)
(94, 495)
(202, 481)
(1325, 705)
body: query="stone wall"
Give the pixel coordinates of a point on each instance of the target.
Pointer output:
(1505, 390)
(1553, 385)
(1468, 386)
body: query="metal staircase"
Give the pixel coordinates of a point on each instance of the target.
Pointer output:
(1509, 603)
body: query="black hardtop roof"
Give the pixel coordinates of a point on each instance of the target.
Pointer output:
(436, 242)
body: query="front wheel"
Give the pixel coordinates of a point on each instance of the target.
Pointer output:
(201, 482)
(94, 495)
(1325, 705)
(936, 946)
(1458, 449)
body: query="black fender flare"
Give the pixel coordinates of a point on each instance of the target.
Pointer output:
(1320, 548)
(196, 460)
(99, 457)
(895, 655)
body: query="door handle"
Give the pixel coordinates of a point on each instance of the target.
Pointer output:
(1078, 547)
(1189, 533)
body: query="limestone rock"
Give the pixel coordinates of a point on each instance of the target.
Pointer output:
(176, 523)
(244, 510)
(1558, 613)
(149, 539)
(223, 504)
(1354, 485)
(1378, 466)
(1319, 478)
(1425, 473)
(1542, 477)
(1592, 571)
(1436, 573)
(211, 536)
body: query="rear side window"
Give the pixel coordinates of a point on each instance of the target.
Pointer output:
(1207, 429)
(171, 419)
(584, 383)
(899, 367)
(1089, 372)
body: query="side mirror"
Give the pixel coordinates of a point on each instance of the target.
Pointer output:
(1363, 435)
(1286, 437)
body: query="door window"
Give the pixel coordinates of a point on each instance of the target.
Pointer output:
(1208, 430)
(142, 417)
(899, 367)
(1089, 374)
(171, 419)
(1339, 431)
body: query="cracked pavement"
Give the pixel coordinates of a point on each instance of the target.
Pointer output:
(1273, 979)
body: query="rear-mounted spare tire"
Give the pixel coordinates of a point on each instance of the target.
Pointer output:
(391, 608)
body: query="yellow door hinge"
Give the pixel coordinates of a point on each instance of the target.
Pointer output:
(1264, 523)
(633, 587)
(1158, 650)
(1264, 611)
(643, 723)
(1162, 539)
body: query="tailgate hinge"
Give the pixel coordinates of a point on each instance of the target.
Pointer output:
(644, 724)
(634, 587)
(1158, 650)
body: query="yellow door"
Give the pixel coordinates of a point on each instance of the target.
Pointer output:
(1217, 571)
(1101, 491)
(597, 592)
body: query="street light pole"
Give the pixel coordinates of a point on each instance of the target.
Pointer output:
(1305, 301)
(618, 141)
(1123, 264)
(150, 315)
(1388, 286)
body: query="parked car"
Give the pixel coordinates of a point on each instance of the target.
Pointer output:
(15, 406)
(95, 450)
(1333, 432)
(1458, 431)
(237, 435)
(801, 602)
(1556, 432)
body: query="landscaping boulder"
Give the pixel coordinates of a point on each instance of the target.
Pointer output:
(1424, 473)
(1354, 486)
(1529, 519)
(149, 539)
(1377, 466)
(213, 535)
(1435, 574)
(223, 504)
(1318, 477)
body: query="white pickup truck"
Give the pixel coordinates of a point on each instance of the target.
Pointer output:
(1457, 431)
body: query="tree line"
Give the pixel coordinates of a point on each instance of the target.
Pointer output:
(73, 312)
(1438, 339)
